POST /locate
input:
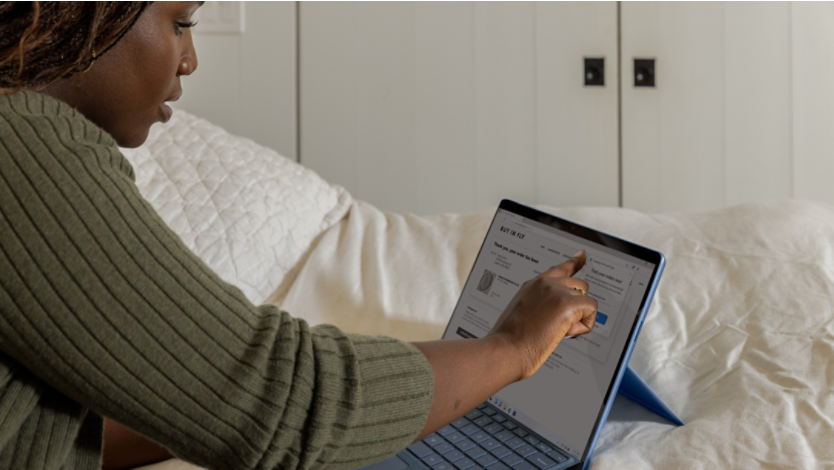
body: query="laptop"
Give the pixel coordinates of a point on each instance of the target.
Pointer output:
(552, 420)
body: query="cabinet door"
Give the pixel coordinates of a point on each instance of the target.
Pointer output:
(449, 107)
(716, 129)
(812, 27)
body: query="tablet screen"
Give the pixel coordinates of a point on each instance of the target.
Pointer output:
(567, 394)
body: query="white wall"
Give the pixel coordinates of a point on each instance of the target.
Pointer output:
(246, 82)
(437, 107)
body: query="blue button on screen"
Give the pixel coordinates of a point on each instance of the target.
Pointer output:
(601, 318)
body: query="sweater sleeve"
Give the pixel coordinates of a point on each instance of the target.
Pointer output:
(103, 302)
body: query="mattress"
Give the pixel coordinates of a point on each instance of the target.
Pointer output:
(739, 340)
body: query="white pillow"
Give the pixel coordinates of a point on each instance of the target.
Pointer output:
(248, 212)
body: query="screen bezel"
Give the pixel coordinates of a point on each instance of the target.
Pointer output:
(606, 240)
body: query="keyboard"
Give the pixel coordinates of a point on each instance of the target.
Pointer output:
(486, 438)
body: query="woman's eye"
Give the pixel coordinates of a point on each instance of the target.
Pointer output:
(178, 27)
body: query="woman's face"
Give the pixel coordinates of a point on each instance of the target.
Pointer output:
(125, 91)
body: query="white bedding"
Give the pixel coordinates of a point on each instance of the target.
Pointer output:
(248, 212)
(739, 341)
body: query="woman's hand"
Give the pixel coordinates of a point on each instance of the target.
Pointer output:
(467, 371)
(545, 310)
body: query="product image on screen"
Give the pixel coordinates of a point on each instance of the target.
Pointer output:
(567, 393)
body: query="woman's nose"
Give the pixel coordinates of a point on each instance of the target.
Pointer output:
(188, 61)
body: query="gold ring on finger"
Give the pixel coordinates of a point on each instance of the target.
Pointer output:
(581, 290)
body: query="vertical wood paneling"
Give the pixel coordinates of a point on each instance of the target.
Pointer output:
(399, 95)
(758, 101)
(678, 127)
(691, 114)
(577, 160)
(328, 85)
(642, 161)
(813, 100)
(717, 129)
(423, 107)
(414, 106)
(505, 102)
(444, 103)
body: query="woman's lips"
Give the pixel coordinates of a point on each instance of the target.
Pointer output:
(167, 112)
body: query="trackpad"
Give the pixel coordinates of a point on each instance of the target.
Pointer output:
(394, 463)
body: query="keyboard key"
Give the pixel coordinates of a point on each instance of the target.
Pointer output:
(510, 425)
(475, 452)
(521, 466)
(504, 435)
(471, 429)
(474, 414)
(499, 466)
(500, 418)
(446, 430)
(479, 436)
(511, 459)
(483, 421)
(520, 432)
(541, 461)
(500, 451)
(419, 449)
(443, 466)
(515, 443)
(486, 460)
(453, 456)
(526, 450)
(443, 448)
(455, 437)
(433, 440)
(542, 447)
(432, 459)
(557, 456)
(482, 406)
(460, 422)
(490, 444)
(489, 411)
(532, 440)
(464, 463)
(465, 445)
(494, 428)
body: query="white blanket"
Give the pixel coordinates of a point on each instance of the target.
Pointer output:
(739, 341)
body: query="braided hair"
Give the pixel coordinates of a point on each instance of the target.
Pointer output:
(42, 42)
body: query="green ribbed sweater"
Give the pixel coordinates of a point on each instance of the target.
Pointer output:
(104, 312)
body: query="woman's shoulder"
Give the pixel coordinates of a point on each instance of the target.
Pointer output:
(37, 125)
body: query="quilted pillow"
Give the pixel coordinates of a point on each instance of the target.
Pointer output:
(248, 212)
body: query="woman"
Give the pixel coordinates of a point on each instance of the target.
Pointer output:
(105, 313)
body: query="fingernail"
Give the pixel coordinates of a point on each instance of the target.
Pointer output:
(578, 253)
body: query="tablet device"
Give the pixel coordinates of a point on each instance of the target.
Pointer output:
(550, 421)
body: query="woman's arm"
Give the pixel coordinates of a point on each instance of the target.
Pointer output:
(466, 372)
(125, 448)
(103, 303)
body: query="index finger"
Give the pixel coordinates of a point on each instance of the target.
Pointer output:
(569, 267)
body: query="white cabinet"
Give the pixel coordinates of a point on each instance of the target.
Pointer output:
(743, 109)
(439, 107)
(447, 107)
(716, 128)
(812, 111)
